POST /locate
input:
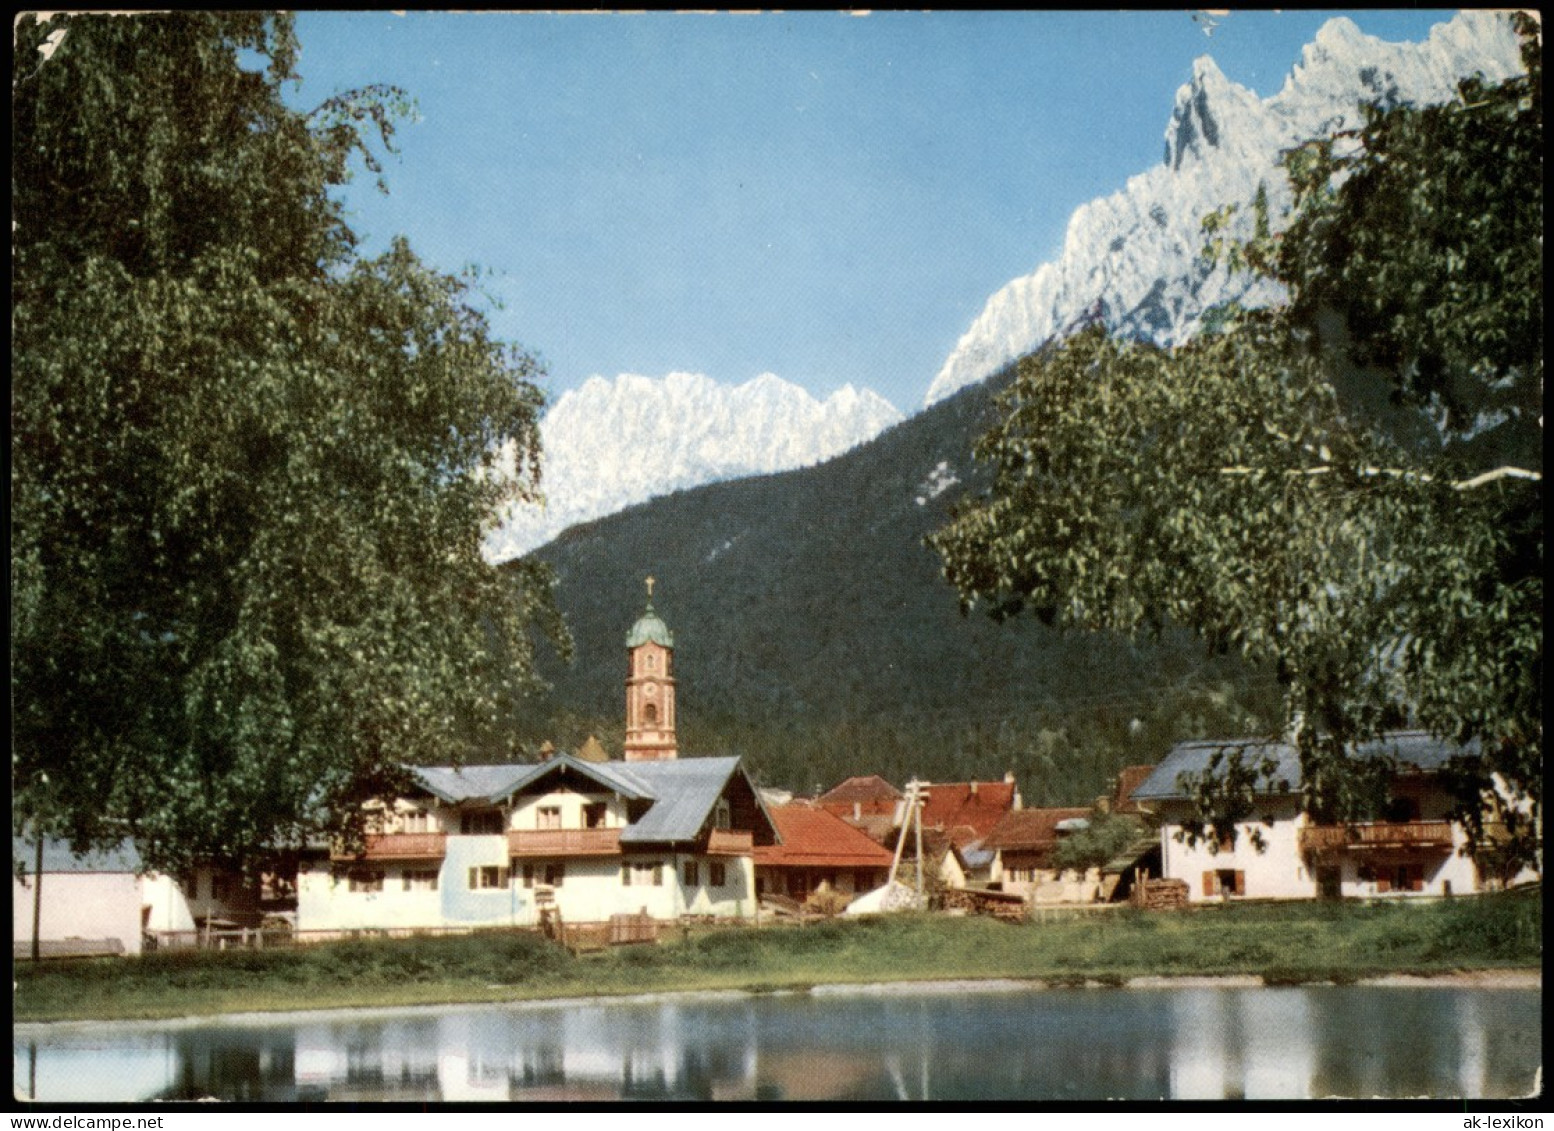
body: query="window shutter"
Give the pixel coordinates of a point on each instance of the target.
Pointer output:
(1208, 883)
(1240, 882)
(474, 879)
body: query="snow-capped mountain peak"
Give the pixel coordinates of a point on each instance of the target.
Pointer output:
(1131, 259)
(609, 444)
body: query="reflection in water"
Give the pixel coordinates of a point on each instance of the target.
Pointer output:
(1190, 1043)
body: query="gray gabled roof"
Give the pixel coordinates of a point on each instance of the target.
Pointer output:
(471, 783)
(1411, 749)
(686, 790)
(682, 790)
(57, 857)
(496, 783)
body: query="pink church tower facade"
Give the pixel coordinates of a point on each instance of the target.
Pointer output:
(650, 707)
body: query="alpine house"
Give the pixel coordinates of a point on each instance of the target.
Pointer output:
(511, 845)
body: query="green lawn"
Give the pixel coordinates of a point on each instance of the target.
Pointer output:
(1278, 942)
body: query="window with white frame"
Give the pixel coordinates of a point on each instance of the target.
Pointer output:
(548, 817)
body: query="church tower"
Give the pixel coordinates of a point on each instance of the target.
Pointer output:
(650, 688)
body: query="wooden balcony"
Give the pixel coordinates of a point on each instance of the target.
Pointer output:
(730, 842)
(565, 842)
(1376, 834)
(399, 846)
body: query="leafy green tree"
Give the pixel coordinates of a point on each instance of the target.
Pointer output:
(1107, 836)
(1347, 488)
(250, 467)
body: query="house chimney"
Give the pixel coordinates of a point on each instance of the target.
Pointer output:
(1008, 777)
(973, 787)
(857, 810)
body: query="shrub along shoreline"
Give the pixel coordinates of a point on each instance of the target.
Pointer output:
(1278, 944)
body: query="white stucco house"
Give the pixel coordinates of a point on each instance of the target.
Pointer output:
(105, 902)
(582, 837)
(496, 845)
(1415, 849)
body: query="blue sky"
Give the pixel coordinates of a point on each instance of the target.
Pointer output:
(827, 197)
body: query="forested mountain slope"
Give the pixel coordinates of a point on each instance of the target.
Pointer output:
(815, 636)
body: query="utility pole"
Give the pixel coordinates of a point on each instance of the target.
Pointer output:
(917, 819)
(41, 780)
(913, 817)
(37, 894)
(907, 808)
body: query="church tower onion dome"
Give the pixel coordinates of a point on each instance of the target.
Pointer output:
(649, 629)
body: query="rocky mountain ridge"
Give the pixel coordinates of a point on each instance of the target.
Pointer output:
(1130, 259)
(611, 444)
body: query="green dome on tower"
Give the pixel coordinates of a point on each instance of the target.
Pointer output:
(649, 628)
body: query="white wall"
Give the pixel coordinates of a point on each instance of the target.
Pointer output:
(1455, 873)
(591, 891)
(326, 903)
(79, 905)
(1280, 872)
(525, 815)
(169, 904)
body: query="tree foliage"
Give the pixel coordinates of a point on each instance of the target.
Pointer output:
(1348, 487)
(250, 467)
(1107, 836)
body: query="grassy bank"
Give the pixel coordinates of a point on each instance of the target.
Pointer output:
(1279, 943)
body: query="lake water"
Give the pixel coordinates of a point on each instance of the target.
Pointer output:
(828, 1045)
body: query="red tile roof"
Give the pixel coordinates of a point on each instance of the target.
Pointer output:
(880, 828)
(967, 810)
(870, 796)
(1129, 778)
(814, 838)
(1029, 830)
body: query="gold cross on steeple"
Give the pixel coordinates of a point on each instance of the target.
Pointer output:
(650, 587)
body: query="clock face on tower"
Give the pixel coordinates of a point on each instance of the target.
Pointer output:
(650, 689)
